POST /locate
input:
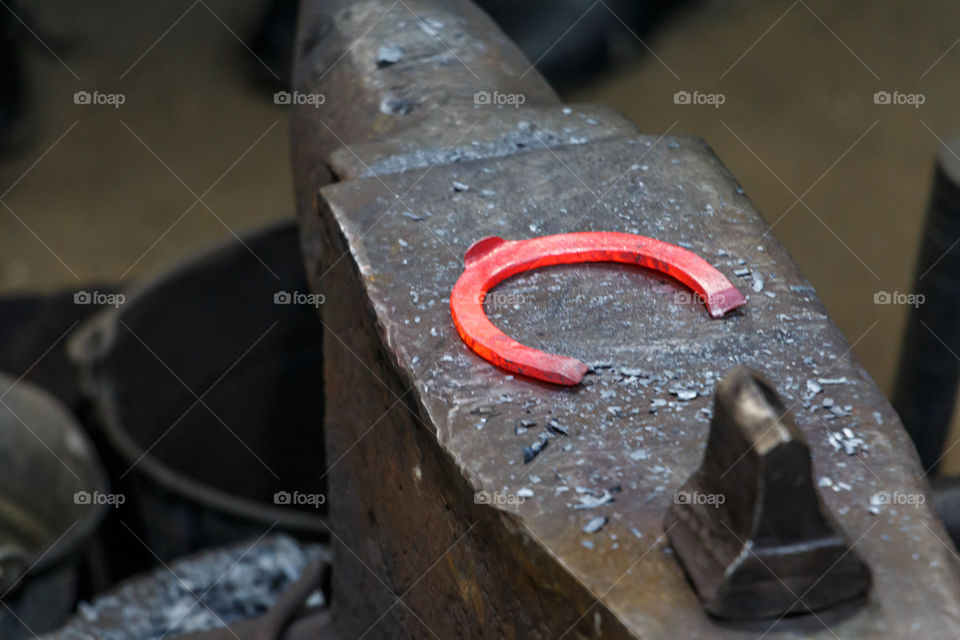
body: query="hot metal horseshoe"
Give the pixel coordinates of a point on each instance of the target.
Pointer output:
(492, 260)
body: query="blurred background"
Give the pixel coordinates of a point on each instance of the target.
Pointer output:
(198, 152)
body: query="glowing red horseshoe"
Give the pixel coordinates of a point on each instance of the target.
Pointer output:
(492, 260)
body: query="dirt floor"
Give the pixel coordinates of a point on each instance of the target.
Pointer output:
(197, 152)
(113, 192)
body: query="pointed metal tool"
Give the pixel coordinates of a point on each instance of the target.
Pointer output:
(748, 526)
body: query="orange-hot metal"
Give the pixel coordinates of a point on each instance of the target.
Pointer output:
(492, 260)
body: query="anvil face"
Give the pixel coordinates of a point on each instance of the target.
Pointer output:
(577, 540)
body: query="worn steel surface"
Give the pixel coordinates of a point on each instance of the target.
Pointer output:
(440, 526)
(635, 429)
(748, 526)
(383, 66)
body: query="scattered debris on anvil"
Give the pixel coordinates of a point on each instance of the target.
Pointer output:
(672, 390)
(595, 524)
(532, 451)
(591, 498)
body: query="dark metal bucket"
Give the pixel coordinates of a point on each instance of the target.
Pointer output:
(207, 388)
(53, 495)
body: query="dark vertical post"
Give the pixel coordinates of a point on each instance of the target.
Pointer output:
(929, 371)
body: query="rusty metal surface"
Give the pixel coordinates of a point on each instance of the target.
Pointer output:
(417, 425)
(478, 132)
(676, 190)
(439, 55)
